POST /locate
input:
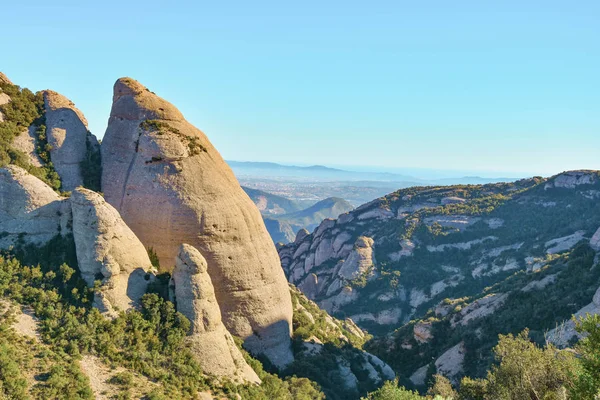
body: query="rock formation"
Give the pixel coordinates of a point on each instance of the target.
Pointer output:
(30, 211)
(450, 364)
(360, 261)
(67, 133)
(571, 179)
(106, 247)
(210, 341)
(562, 335)
(595, 240)
(4, 79)
(171, 186)
(26, 143)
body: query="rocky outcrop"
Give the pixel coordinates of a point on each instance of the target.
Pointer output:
(564, 243)
(4, 79)
(479, 308)
(562, 335)
(30, 211)
(26, 143)
(459, 222)
(171, 186)
(106, 247)
(385, 317)
(595, 241)
(210, 342)
(572, 179)
(418, 377)
(360, 261)
(66, 130)
(450, 364)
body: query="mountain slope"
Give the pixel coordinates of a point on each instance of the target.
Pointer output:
(426, 253)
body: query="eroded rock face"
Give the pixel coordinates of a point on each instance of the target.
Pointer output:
(106, 247)
(450, 364)
(29, 209)
(479, 308)
(171, 186)
(571, 179)
(66, 129)
(360, 261)
(562, 335)
(210, 341)
(4, 79)
(26, 142)
(595, 241)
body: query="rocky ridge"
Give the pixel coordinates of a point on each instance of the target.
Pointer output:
(461, 235)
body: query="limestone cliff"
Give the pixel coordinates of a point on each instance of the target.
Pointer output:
(106, 247)
(210, 341)
(171, 186)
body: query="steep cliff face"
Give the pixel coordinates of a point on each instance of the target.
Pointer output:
(171, 186)
(106, 247)
(212, 344)
(67, 133)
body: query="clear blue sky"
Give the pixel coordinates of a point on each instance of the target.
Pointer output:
(470, 85)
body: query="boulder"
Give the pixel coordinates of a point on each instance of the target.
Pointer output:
(66, 129)
(106, 247)
(479, 308)
(211, 343)
(302, 233)
(30, 211)
(360, 261)
(171, 186)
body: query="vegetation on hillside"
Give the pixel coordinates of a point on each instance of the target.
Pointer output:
(150, 341)
(24, 110)
(576, 281)
(523, 371)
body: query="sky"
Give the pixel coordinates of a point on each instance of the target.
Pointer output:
(493, 87)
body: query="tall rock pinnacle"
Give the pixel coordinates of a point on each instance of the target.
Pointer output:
(68, 135)
(171, 187)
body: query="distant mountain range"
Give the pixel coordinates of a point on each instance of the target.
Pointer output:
(284, 217)
(323, 173)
